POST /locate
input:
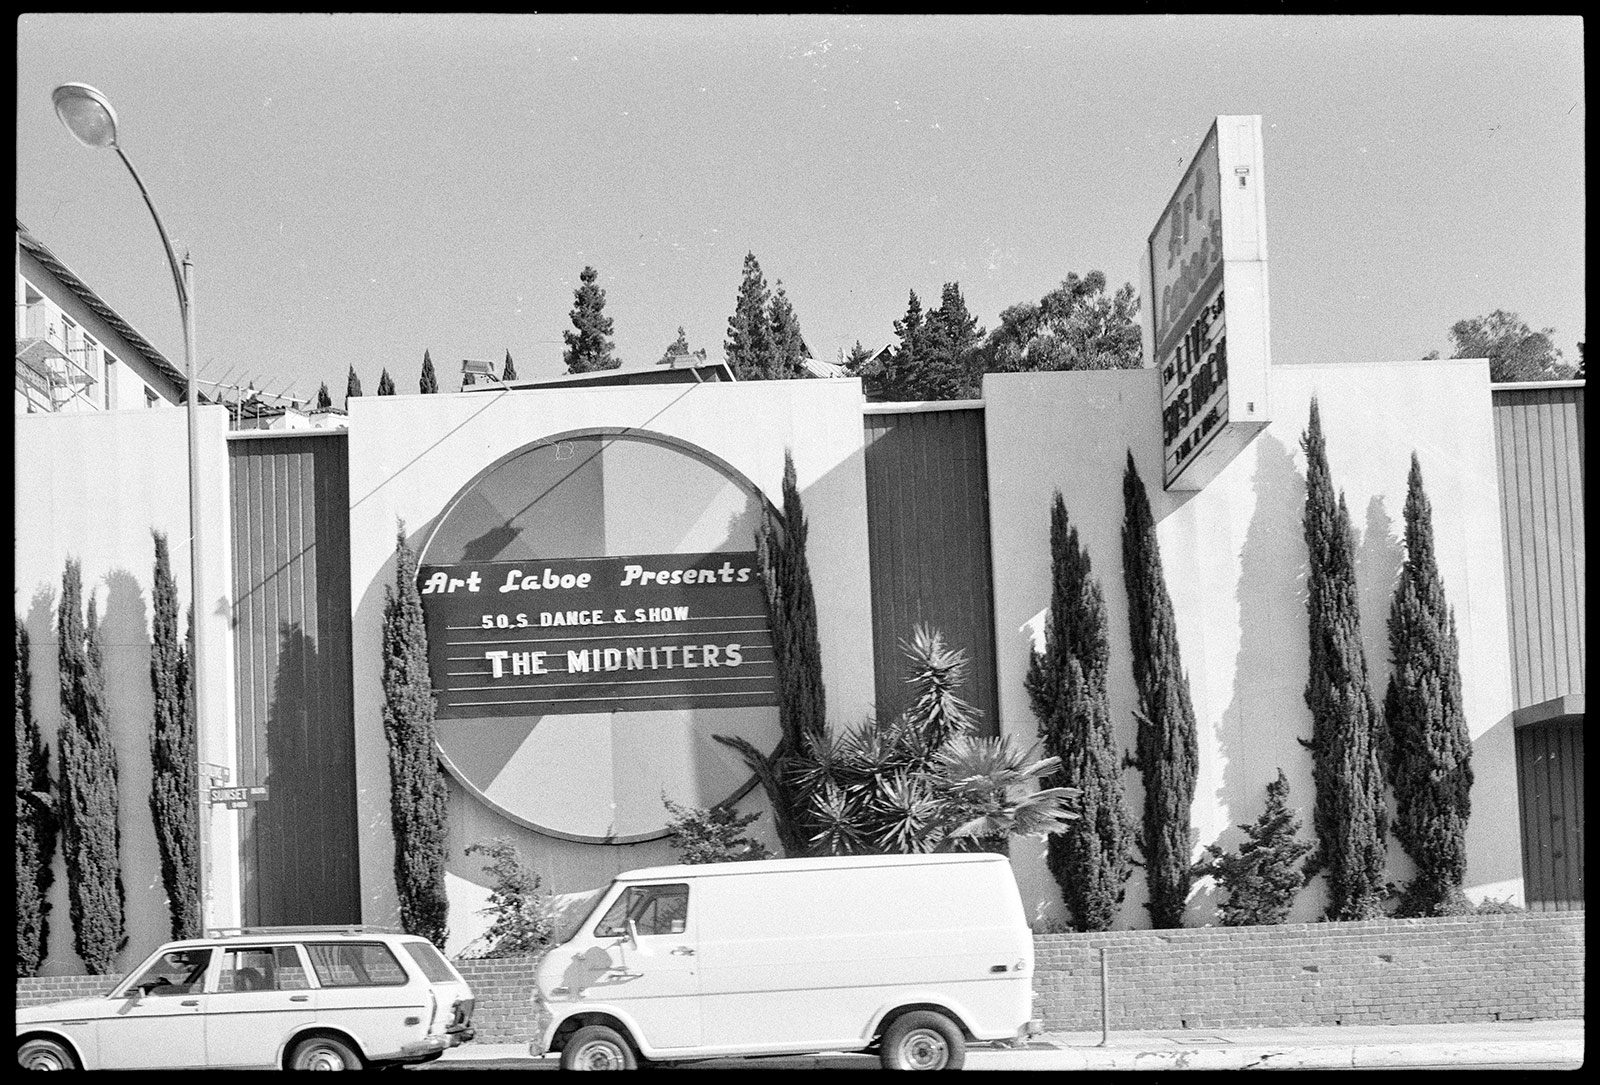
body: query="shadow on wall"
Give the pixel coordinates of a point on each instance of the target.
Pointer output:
(1379, 558)
(1494, 808)
(1255, 738)
(125, 637)
(296, 868)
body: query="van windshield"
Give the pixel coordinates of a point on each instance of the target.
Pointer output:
(569, 910)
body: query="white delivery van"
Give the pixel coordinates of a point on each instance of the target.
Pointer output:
(909, 956)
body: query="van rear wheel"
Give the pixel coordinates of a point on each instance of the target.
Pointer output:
(923, 1040)
(595, 1047)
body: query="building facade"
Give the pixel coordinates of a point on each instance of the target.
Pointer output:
(935, 514)
(74, 353)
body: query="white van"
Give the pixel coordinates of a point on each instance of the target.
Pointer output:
(909, 956)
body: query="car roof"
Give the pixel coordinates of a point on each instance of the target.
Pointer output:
(255, 935)
(826, 862)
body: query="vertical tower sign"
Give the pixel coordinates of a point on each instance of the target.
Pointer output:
(1208, 306)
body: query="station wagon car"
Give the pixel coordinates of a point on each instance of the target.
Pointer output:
(293, 998)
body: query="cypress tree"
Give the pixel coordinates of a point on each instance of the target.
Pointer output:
(1261, 879)
(385, 383)
(797, 652)
(174, 795)
(418, 798)
(1431, 764)
(510, 373)
(429, 383)
(749, 345)
(1168, 751)
(352, 386)
(589, 348)
(324, 399)
(90, 835)
(1350, 815)
(788, 345)
(36, 822)
(1066, 685)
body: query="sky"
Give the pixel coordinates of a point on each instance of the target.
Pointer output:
(356, 189)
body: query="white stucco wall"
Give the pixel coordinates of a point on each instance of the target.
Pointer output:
(1234, 558)
(409, 455)
(92, 486)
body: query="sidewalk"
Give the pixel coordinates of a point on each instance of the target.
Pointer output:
(1546, 1044)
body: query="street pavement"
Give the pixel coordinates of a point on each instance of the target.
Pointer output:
(1522, 1044)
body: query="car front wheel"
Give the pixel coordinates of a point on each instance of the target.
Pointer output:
(45, 1055)
(324, 1053)
(923, 1040)
(595, 1047)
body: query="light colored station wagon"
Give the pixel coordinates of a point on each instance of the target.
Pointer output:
(295, 998)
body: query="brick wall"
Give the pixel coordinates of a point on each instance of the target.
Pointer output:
(1386, 971)
(1522, 966)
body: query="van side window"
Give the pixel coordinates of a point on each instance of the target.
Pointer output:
(654, 909)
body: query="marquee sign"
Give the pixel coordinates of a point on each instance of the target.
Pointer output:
(1208, 311)
(606, 634)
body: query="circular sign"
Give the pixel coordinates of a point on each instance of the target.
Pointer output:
(595, 617)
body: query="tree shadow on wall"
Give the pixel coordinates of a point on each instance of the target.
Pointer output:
(1379, 557)
(1259, 730)
(300, 864)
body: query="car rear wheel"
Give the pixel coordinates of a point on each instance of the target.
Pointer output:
(324, 1053)
(595, 1047)
(45, 1055)
(923, 1040)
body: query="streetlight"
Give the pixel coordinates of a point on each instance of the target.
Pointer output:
(88, 115)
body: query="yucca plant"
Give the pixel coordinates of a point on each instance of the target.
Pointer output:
(922, 781)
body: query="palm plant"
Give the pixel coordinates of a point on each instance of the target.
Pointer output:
(922, 781)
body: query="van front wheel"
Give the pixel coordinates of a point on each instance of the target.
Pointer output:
(923, 1040)
(595, 1047)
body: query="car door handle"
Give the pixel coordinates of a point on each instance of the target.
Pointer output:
(299, 998)
(624, 974)
(683, 951)
(190, 1002)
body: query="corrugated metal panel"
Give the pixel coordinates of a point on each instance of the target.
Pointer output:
(928, 532)
(1550, 787)
(291, 587)
(1540, 437)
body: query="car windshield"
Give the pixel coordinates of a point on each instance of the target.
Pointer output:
(175, 972)
(569, 910)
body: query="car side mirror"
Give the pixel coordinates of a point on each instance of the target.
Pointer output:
(633, 934)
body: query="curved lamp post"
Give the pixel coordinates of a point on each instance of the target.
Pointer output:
(88, 115)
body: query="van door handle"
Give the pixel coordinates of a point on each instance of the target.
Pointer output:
(623, 973)
(683, 951)
(299, 998)
(190, 1002)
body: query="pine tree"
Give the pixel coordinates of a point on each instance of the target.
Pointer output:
(1168, 750)
(946, 366)
(174, 800)
(1346, 744)
(385, 383)
(324, 399)
(749, 344)
(352, 387)
(797, 652)
(1431, 764)
(418, 798)
(676, 348)
(1066, 686)
(36, 822)
(90, 834)
(788, 345)
(1261, 879)
(589, 348)
(429, 382)
(858, 357)
(510, 373)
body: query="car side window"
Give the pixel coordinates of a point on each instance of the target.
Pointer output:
(654, 909)
(262, 968)
(176, 972)
(355, 964)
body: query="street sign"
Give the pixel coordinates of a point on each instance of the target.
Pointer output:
(237, 798)
(214, 773)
